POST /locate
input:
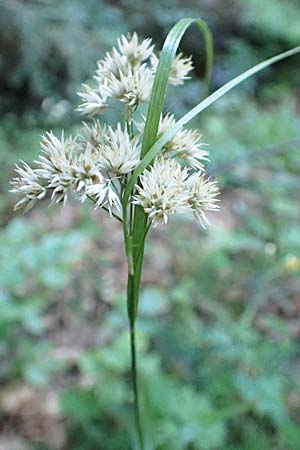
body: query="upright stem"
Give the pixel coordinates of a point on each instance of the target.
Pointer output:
(133, 285)
(135, 252)
(135, 388)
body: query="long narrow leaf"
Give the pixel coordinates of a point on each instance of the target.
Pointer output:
(166, 59)
(156, 148)
(163, 71)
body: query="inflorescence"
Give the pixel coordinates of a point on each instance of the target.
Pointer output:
(98, 163)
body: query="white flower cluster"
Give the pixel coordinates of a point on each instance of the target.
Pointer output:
(127, 73)
(98, 163)
(167, 188)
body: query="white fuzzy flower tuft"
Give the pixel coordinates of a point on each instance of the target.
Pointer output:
(132, 86)
(53, 173)
(130, 55)
(94, 100)
(134, 51)
(161, 191)
(120, 154)
(123, 74)
(54, 165)
(180, 68)
(185, 145)
(85, 171)
(62, 166)
(104, 195)
(202, 196)
(126, 73)
(112, 64)
(29, 184)
(94, 134)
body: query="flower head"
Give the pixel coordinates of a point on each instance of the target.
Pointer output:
(30, 185)
(161, 192)
(85, 171)
(202, 196)
(134, 51)
(129, 55)
(54, 165)
(111, 65)
(104, 195)
(93, 134)
(94, 100)
(132, 86)
(119, 154)
(123, 74)
(126, 73)
(185, 145)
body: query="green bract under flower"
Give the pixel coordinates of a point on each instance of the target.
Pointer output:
(98, 163)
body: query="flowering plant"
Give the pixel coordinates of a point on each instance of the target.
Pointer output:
(143, 170)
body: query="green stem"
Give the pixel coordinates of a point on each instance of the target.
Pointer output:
(134, 253)
(135, 388)
(128, 248)
(132, 296)
(133, 286)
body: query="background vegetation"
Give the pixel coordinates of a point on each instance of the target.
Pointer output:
(220, 310)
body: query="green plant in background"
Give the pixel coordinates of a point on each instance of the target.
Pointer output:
(139, 173)
(28, 270)
(187, 402)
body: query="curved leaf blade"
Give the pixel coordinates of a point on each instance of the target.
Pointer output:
(166, 59)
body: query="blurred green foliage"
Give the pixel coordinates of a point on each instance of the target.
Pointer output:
(34, 266)
(201, 380)
(219, 330)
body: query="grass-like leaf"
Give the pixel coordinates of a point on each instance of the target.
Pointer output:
(166, 59)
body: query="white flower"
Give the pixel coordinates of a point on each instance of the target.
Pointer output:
(180, 68)
(202, 196)
(85, 171)
(120, 154)
(112, 64)
(132, 86)
(53, 172)
(135, 53)
(113, 200)
(55, 154)
(104, 195)
(94, 100)
(126, 75)
(122, 72)
(94, 134)
(54, 165)
(161, 191)
(185, 145)
(129, 56)
(29, 185)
